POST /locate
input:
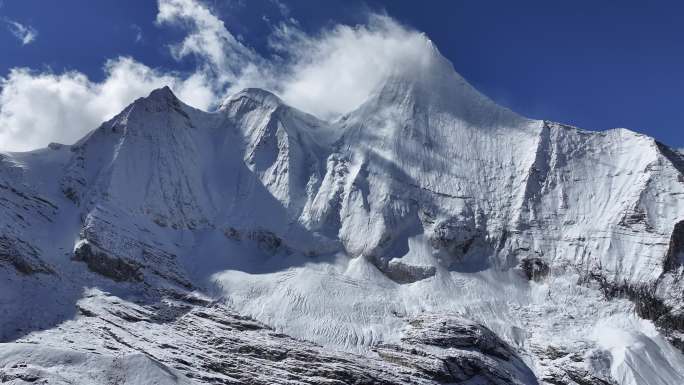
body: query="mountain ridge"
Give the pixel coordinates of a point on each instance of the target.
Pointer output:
(426, 199)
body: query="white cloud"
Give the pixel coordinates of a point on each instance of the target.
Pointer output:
(335, 72)
(326, 74)
(207, 38)
(25, 33)
(38, 108)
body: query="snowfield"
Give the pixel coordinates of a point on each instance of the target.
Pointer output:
(428, 236)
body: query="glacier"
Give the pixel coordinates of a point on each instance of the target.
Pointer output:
(428, 236)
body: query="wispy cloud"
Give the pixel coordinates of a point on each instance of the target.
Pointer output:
(208, 38)
(138, 35)
(25, 33)
(282, 7)
(326, 74)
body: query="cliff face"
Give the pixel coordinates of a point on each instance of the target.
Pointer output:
(428, 200)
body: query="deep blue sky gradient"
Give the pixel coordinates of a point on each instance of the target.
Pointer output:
(594, 64)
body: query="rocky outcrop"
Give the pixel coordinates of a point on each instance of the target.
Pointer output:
(534, 268)
(675, 250)
(574, 376)
(446, 332)
(455, 236)
(207, 343)
(102, 263)
(648, 304)
(405, 273)
(266, 240)
(568, 366)
(21, 256)
(455, 350)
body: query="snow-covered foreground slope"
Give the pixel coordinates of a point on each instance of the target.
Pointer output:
(427, 236)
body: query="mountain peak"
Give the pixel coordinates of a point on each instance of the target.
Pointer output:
(257, 95)
(159, 99)
(427, 80)
(163, 93)
(429, 199)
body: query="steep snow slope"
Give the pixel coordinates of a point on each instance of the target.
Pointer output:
(428, 200)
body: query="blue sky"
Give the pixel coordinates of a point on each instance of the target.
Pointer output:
(593, 64)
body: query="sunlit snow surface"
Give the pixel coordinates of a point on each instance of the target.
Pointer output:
(351, 304)
(424, 200)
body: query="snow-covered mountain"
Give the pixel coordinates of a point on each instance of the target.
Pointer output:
(429, 236)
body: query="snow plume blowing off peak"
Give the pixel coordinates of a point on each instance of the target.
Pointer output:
(326, 74)
(336, 72)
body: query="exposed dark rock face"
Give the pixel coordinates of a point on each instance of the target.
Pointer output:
(71, 194)
(647, 304)
(535, 268)
(636, 219)
(566, 366)
(266, 240)
(210, 344)
(451, 349)
(676, 158)
(675, 250)
(232, 233)
(455, 236)
(22, 256)
(454, 332)
(111, 267)
(574, 376)
(403, 273)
